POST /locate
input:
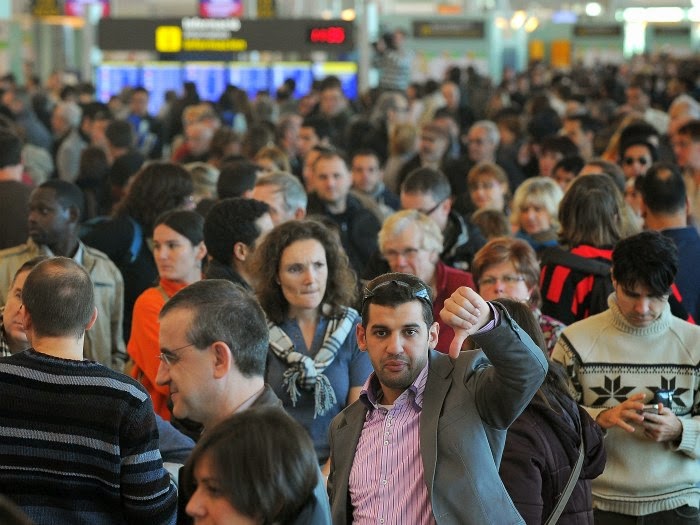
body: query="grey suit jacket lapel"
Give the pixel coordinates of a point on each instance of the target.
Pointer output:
(345, 440)
(437, 385)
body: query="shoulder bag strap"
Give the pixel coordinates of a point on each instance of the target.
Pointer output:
(568, 489)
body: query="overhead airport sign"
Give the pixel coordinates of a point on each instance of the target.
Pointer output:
(448, 29)
(224, 35)
(597, 31)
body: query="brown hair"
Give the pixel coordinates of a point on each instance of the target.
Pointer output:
(515, 251)
(341, 287)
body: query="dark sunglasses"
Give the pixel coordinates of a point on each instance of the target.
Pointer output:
(631, 160)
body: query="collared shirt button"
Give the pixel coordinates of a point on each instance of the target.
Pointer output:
(386, 442)
(381, 520)
(384, 482)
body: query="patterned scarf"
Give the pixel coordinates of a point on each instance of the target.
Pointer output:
(306, 373)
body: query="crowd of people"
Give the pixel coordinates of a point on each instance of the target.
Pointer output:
(445, 302)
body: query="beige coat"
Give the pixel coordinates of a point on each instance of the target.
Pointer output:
(103, 342)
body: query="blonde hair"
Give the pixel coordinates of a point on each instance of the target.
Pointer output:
(537, 191)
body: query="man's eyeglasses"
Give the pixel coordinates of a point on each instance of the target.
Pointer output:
(631, 160)
(169, 357)
(506, 279)
(408, 253)
(420, 293)
(431, 210)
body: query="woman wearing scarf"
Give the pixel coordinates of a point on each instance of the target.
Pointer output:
(305, 285)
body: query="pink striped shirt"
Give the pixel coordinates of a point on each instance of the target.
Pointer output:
(386, 480)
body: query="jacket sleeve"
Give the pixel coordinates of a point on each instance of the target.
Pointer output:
(503, 390)
(148, 495)
(521, 472)
(143, 345)
(117, 338)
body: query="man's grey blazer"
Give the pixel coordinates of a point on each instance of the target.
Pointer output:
(468, 405)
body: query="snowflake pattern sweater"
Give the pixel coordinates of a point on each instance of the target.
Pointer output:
(609, 360)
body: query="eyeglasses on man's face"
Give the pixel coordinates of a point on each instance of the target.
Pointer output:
(407, 253)
(171, 357)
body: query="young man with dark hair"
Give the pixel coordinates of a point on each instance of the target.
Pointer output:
(125, 159)
(368, 179)
(55, 209)
(665, 209)
(231, 230)
(581, 130)
(94, 429)
(637, 352)
(428, 191)
(331, 197)
(424, 441)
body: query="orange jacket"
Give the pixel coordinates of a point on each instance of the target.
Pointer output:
(143, 345)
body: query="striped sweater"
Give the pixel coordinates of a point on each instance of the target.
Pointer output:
(79, 444)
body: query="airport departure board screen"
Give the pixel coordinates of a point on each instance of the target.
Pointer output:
(299, 71)
(250, 77)
(210, 78)
(158, 78)
(112, 77)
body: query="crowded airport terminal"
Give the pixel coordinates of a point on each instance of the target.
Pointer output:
(380, 262)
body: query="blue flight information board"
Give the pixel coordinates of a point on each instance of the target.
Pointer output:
(113, 77)
(345, 71)
(250, 77)
(210, 78)
(159, 77)
(299, 71)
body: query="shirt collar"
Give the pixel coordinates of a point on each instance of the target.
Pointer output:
(371, 394)
(78, 257)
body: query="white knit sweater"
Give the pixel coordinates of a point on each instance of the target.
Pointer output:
(609, 360)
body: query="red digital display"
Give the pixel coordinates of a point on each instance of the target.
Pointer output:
(327, 35)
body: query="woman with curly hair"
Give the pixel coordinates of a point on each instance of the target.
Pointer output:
(305, 285)
(158, 187)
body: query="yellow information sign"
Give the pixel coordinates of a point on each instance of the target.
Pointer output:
(168, 39)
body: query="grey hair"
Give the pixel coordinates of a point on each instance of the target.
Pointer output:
(293, 192)
(491, 129)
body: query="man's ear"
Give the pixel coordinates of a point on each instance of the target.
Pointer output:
(240, 251)
(26, 319)
(361, 335)
(433, 333)
(447, 205)
(92, 320)
(223, 359)
(200, 251)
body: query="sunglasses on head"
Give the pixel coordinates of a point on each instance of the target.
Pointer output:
(418, 292)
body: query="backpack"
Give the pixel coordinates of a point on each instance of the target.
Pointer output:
(600, 270)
